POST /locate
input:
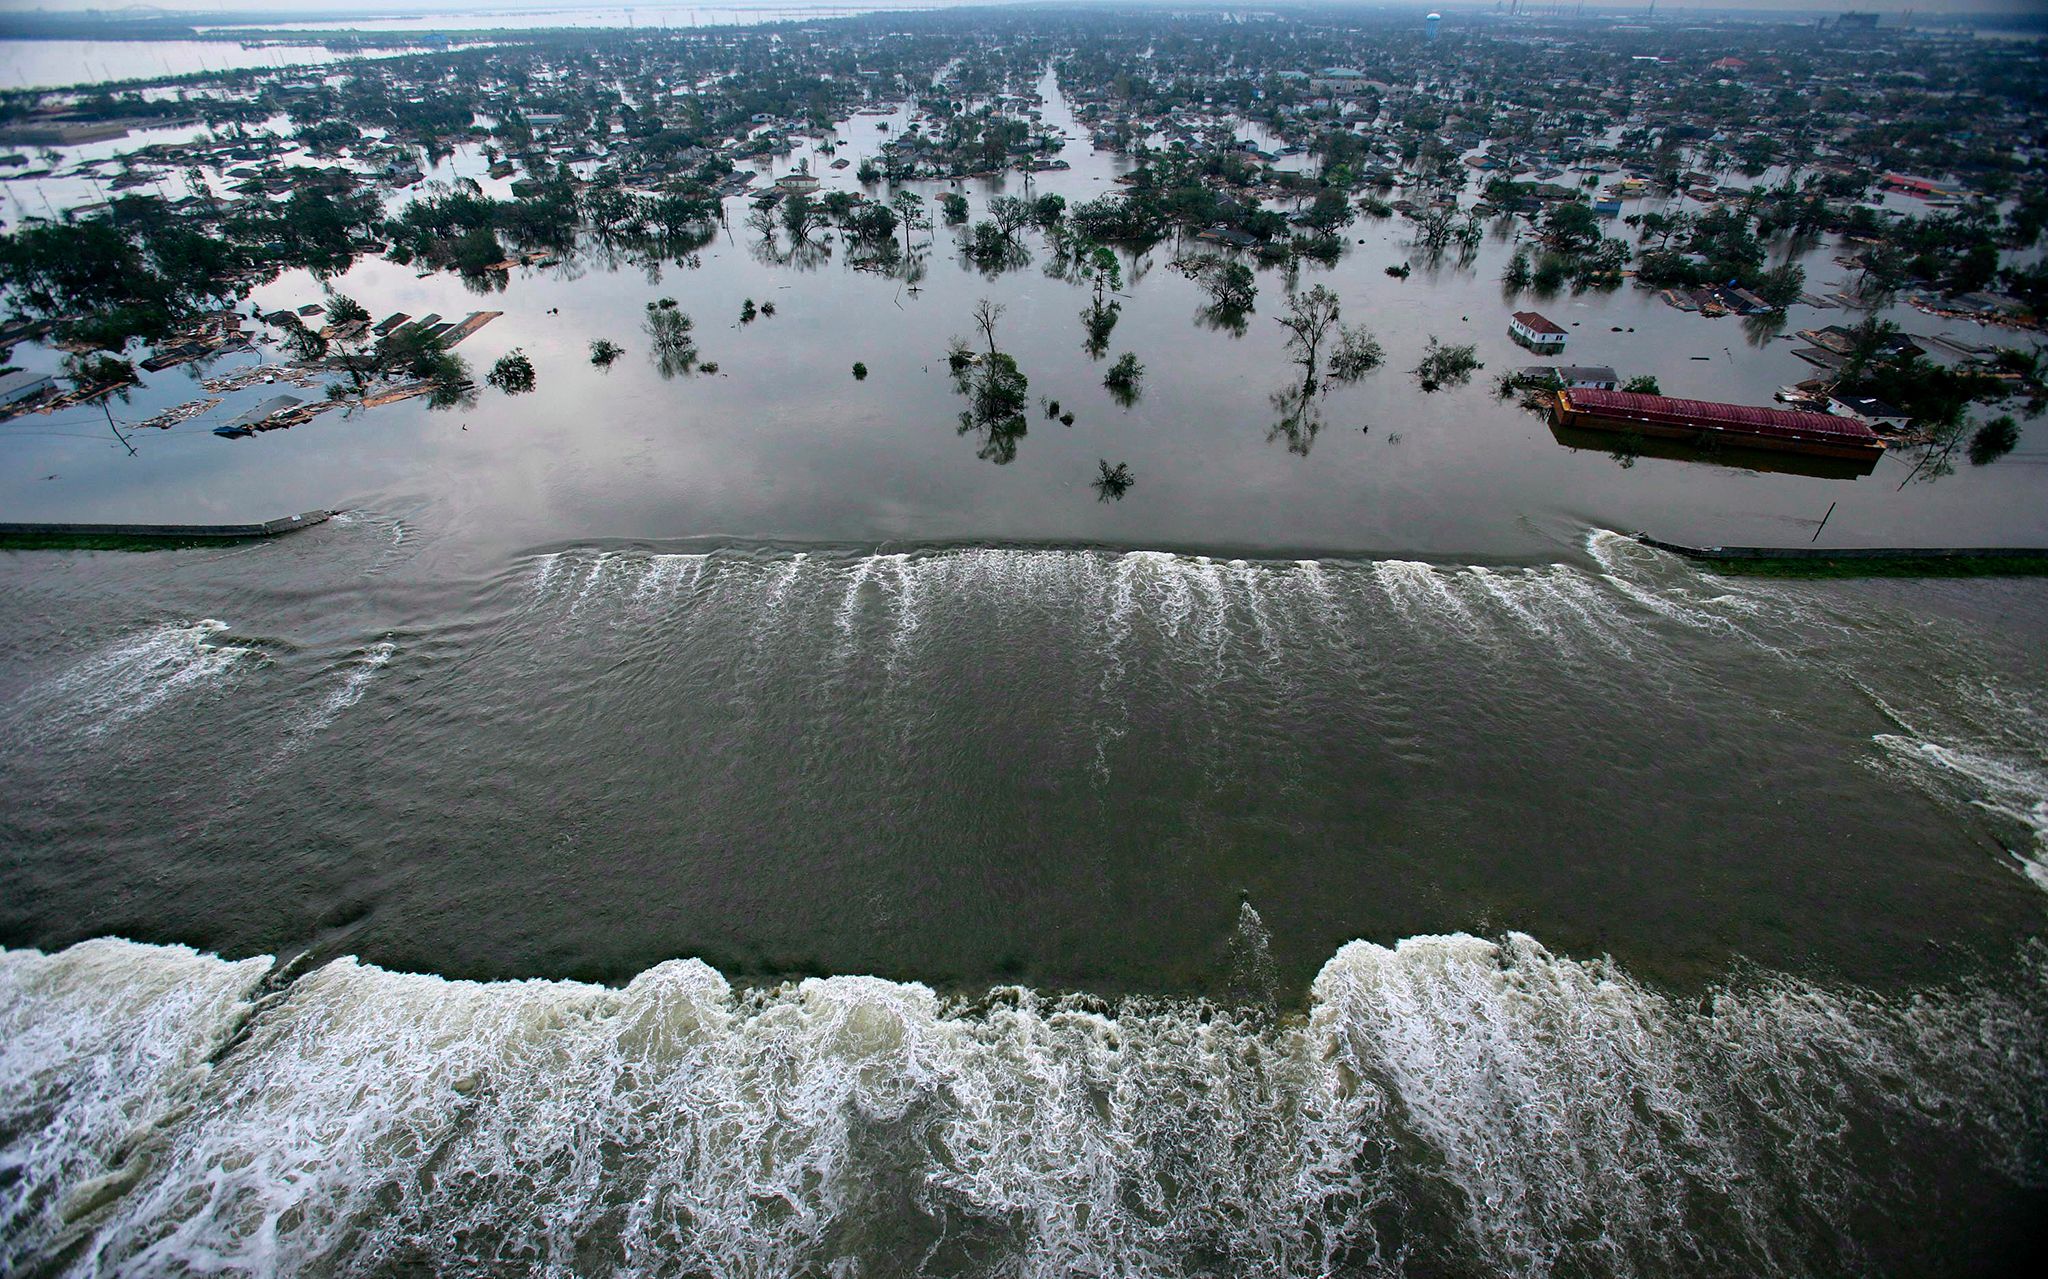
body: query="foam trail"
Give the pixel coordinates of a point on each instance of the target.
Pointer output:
(1248, 578)
(850, 603)
(1413, 587)
(591, 580)
(664, 576)
(143, 672)
(354, 683)
(2014, 792)
(544, 572)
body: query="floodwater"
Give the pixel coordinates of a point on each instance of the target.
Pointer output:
(54, 64)
(550, 17)
(783, 443)
(679, 807)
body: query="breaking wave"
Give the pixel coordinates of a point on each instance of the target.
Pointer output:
(1448, 1104)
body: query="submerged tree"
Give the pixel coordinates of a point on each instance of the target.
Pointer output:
(986, 313)
(1112, 482)
(675, 350)
(1358, 353)
(513, 373)
(1230, 286)
(910, 214)
(1097, 263)
(604, 351)
(1994, 440)
(1443, 366)
(1519, 274)
(996, 389)
(1124, 379)
(1308, 319)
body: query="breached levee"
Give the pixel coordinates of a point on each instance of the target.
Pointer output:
(1447, 1105)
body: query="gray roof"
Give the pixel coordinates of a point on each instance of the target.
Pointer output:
(15, 382)
(269, 408)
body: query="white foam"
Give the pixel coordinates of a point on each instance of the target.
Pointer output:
(544, 569)
(100, 1046)
(592, 579)
(668, 575)
(1417, 590)
(2014, 791)
(1562, 1117)
(355, 681)
(850, 603)
(137, 675)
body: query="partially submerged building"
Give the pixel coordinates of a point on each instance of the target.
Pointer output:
(1536, 332)
(1869, 410)
(1571, 377)
(22, 385)
(1708, 422)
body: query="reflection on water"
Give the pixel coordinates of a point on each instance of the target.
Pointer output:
(1626, 446)
(628, 452)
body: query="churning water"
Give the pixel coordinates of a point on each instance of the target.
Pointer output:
(1447, 1105)
(1806, 821)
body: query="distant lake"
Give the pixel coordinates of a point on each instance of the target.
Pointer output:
(638, 15)
(50, 64)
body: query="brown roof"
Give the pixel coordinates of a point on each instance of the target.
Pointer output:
(1537, 324)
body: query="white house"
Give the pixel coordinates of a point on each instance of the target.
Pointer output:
(1535, 332)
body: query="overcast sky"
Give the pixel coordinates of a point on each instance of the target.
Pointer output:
(1451, 7)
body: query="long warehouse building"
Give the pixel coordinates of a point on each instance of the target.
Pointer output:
(1705, 421)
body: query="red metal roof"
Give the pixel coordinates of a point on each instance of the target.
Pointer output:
(1669, 410)
(1537, 324)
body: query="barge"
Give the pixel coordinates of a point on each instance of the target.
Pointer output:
(1705, 422)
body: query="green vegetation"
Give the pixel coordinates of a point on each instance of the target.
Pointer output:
(669, 330)
(1993, 440)
(996, 389)
(513, 373)
(1443, 366)
(1112, 482)
(1124, 377)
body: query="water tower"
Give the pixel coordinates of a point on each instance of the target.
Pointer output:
(1433, 21)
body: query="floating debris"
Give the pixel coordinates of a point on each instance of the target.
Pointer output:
(475, 320)
(182, 413)
(256, 374)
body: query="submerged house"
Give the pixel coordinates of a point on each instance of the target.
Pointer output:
(1869, 410)
(1572, 377)
(22, 385)
(1536, 332)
